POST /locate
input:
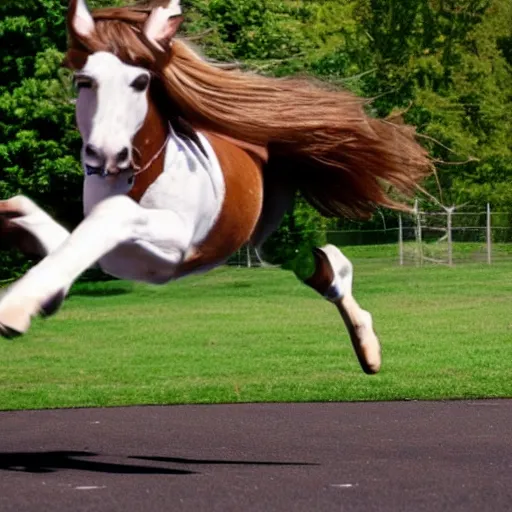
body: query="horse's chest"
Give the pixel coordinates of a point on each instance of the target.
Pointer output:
(191, 187)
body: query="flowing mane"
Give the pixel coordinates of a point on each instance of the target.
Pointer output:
(343, 161)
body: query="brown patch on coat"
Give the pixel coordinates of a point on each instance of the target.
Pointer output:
(241, 208)
(147, 143)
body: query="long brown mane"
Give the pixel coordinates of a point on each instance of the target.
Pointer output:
(343, 161)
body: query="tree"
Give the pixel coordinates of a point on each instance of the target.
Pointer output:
(444, 64)
(39, 144)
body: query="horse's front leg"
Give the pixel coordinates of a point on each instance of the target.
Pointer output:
(114, 221)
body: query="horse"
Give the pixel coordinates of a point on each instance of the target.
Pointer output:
(185, 162)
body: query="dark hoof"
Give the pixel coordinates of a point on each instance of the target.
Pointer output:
(51, 306)
(7, 332)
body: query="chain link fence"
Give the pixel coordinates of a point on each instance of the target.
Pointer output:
(446, 236)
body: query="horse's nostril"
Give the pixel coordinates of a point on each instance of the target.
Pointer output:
(91, 151)
(122, 156)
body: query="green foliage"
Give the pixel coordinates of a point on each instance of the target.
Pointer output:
(445, 64)
(465, 104)
(39, 144)
(254, 29)
(299, 233)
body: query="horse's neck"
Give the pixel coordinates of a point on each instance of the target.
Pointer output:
(148, 142)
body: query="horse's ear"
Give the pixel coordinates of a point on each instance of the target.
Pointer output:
(80, 21)
(162, 25)
(174, 8)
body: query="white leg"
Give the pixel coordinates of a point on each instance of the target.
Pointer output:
(333, 279)
(114, 221)
(22, 213)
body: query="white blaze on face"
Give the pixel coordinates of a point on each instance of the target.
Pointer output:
(111, 107)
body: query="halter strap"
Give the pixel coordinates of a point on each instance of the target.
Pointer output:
(140, 170)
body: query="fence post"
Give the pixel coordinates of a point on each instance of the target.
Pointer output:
(261, 261)
(248, 256)
(400, 240)
(419, 241)
(489, 235)
(449, 212)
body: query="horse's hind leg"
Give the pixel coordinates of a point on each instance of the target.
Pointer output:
(332, 278)
(28, 227)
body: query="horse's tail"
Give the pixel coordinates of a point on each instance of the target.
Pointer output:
(374, 163)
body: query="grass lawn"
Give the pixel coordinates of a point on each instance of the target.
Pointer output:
(241, 335)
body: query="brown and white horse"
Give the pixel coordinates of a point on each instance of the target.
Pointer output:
(185, 162)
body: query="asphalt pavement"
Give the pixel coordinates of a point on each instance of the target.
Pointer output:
(395, 456)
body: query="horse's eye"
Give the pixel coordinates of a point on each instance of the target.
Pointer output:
(82, 83)
(141, 83)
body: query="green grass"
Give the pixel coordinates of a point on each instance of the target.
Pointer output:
(462, 251)
(241, 335)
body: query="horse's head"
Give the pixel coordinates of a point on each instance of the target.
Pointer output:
(113, 79)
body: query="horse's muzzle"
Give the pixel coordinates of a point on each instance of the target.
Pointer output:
(104, 172)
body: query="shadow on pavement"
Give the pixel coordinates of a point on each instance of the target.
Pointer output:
(49, 462)
(178, 460)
